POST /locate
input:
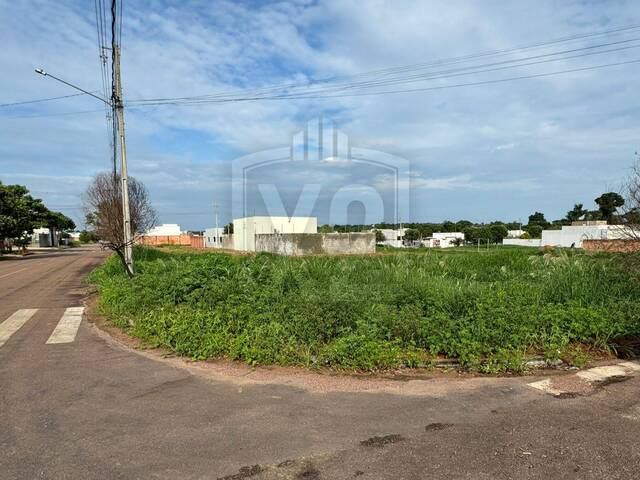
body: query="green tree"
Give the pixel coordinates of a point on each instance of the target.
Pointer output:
(608, 204)
(411, 234)
(57, 222)
(576, 213)
(498, 232)
(20, 213)
(379, 236)
(325, 229)
(87, 236)
(537, 218)
(535, 231)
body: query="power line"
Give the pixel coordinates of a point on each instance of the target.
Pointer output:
(334, 92)
(395, 70)
(486, 82)
(26, 102)
(59, 114)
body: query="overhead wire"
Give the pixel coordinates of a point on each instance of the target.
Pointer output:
(335, 91)
(39, 100)
(391, 71)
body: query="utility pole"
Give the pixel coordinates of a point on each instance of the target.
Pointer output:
(118, 107)
(215, 209)
(124, 177)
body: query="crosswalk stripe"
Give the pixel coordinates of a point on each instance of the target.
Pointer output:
(12, 324)
(67, 328)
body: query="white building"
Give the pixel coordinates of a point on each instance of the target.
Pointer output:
(213, 237)
(245, 229)
(42, 237)
(166, 229)
(573, 235)
(392, 237)
(515, 233)
(444, 240)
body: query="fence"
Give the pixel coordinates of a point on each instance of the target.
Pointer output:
(187, 240)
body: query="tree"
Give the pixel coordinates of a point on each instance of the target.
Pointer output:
(379, 236)
(411, 234)
(228, 228)
(88, 236)
(325, 229)
(20, 213)
(537, 218)
(608, 204)
(535, 231)
(482, 233)
(57, 222)
(631, 215)
(103, 206)
(498, 232)
(576, 213)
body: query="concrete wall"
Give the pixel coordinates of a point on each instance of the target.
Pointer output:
(523, 242)
(246, 229)
(316, 243)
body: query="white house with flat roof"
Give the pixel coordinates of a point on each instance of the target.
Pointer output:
(392, 237)
(444, 240)
(166, 229)
(573, 235)
(245, 229)
(213, 237)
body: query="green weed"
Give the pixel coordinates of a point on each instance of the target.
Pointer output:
(400, 309)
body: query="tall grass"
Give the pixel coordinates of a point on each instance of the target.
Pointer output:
(487, 309)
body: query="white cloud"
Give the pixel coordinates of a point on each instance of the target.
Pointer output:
(544, 128)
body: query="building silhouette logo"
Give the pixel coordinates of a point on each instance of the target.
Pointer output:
(321, 174)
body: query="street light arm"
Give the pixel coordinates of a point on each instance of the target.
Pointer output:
(45, 74)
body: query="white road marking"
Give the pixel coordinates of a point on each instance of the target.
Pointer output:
(546, 386)
(12, 324)
(582, 382)
(11, 273)
(599, 374)
(635, 366)
(67, 328)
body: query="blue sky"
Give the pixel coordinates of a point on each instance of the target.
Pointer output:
(485, 152)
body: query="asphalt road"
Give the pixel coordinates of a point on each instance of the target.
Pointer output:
(80, 407)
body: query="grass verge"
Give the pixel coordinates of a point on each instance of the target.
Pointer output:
(487, 309)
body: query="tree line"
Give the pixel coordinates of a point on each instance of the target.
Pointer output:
(21, 213)
(607, 208)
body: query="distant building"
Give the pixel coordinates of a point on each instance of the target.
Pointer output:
(213, 237)
(444, 240)
(42, 237)
(515, 233)
(164, 230)
(573, 235)
(246, 229)
(392, 237)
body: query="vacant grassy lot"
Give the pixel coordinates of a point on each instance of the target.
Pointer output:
(488, 309)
